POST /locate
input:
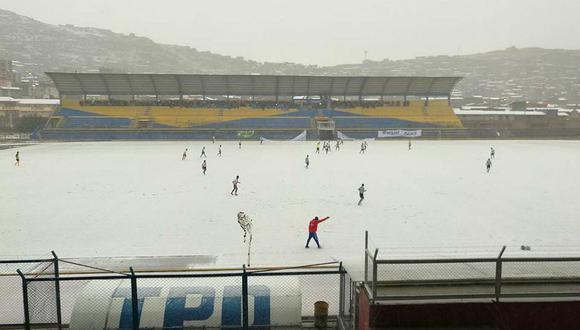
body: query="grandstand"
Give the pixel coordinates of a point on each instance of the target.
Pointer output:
(170, 106)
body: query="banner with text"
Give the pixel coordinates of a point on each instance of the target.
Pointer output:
(399, 133)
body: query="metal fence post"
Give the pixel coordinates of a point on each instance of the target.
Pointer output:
(366, 256)
(498, 270)
(375, 274)
(341, 292)
(245, 298)
(134, 300)
(57, 290)
(25, 300)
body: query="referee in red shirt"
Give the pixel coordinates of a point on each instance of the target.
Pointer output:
(312, 228)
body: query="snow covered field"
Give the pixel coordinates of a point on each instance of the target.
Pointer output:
(141, 199)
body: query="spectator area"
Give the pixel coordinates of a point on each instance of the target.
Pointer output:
(414, 114)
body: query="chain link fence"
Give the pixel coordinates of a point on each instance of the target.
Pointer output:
(36, 293)
(11, 287)
(42, 295)
(489, 275)
(242, 298)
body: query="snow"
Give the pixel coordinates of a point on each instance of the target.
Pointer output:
(460, 112)
(107, 199)
(30, 101)
(39, 101)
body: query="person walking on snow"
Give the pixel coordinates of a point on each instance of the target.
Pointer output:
(184, 156)
(361, 193)
(307, 161)
(220, 151)
(203, 153)
(204, 166)
(236, 182)
(312, 229)
(488, 165)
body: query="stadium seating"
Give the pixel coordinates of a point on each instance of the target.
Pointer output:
(95, 122)
(202, 122)
(438, 113)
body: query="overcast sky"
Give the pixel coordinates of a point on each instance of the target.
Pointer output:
(325, 32)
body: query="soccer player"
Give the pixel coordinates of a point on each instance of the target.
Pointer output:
(488, 165)
(492, 153)
(312, 229)
(240, 144)
(220, 151)
(362, 148)
(213, 139)
(203, 153)
(318, 147)
(17, 158)
(410, 144)
(184, 156)
(236, 182)
(307, 161)
(361, 193)
(204, 166)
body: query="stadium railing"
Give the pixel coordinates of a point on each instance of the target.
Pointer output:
(464, 278)
(38, 294)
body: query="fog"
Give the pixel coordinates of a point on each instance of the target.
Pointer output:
(325, 32)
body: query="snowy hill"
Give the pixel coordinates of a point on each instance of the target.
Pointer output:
(529, 73)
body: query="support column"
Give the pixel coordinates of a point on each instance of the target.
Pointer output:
(245, 308)
(25, 300)
(134, 300)
(57, 290)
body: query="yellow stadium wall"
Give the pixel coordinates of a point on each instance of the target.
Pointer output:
(438, 112)
(182, 117)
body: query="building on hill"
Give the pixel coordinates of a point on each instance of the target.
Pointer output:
(12, 110)
(6, 74)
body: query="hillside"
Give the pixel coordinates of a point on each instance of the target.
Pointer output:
(36, 47)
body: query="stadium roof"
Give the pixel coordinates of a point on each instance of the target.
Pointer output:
(248, 85)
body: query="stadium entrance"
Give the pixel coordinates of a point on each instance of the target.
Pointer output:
(326, 128)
